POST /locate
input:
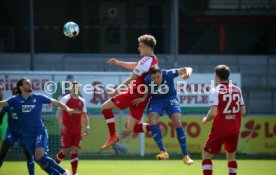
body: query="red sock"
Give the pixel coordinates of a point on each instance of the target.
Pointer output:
(141, 127)
(74, 163)
(59, 157)
(207, 167)
(110, 120)
(232, 167)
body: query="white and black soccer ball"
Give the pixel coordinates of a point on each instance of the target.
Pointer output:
(71, 29)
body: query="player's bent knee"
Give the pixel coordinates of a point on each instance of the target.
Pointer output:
(153, 120)
(42, 166)
(38, 155)
(107, 105)
(206, 155)
(177, 123)
(230, 156)
(64, 151)
(74, 150)
(129, 128)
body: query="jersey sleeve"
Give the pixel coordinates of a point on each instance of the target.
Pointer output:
(44, 99)
(143, 66)
(213, 97)
(64, 99)
(84, 109)
(11, 101)
(241, 102)
(172, 73)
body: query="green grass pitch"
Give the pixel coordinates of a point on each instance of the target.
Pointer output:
(148, 167)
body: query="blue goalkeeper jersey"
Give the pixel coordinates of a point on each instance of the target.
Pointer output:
(166, 89)
(29, 112)
(13, 122)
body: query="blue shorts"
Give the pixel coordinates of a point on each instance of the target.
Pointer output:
(39, 140)
(13, 136)
(171, 106)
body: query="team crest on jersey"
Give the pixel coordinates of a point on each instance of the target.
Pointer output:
(14, 116)
(27, 108)
(34, 100)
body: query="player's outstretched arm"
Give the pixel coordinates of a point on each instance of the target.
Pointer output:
(136, 101)
(63, 106)
(124, 64)
(59, 117)
(127, 82)
(86, 123)
(211, 114)
(185, 72)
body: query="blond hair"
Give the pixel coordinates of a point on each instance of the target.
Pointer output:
(148, 40)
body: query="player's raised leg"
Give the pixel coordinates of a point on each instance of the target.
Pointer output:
(134, 125)
(156, 134)
(46, 162)
(181, 137)
(109, 117)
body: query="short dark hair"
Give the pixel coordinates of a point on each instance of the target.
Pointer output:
(154, 70)
(20, 83)
(223, 72)
(148, 40)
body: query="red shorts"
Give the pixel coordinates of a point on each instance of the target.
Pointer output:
(216, 139)
(123, 101)
(67, 140)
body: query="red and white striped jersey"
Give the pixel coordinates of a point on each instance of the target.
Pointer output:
(73, 122)
(142, 68)
(228, 99)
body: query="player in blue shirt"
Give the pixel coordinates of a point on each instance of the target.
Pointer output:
(13, 134)
(28, 108)
(163, 98)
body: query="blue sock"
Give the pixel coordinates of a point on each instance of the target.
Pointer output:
(46, 160)
(1, 161)
(156, 134)
(30, 165)
(181, 137)
(51, 170)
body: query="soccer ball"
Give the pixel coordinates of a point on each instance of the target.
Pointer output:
(71, 29)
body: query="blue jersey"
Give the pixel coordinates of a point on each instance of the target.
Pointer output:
(13, 122)
(166, 85)
(29, 112)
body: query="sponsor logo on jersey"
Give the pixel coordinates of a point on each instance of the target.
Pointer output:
(27, 108)
(143, 61)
